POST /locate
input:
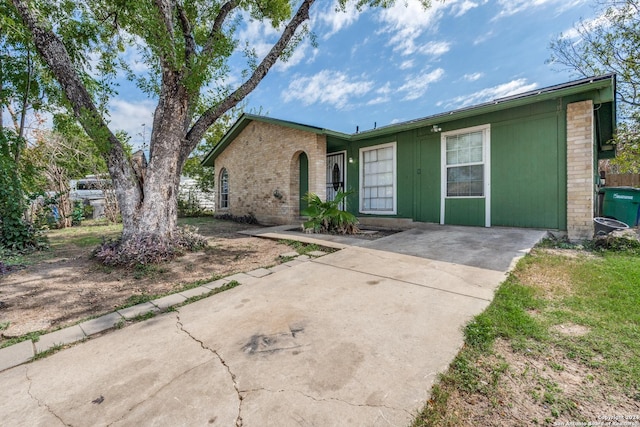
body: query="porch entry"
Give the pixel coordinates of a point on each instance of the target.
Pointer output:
(336, 175)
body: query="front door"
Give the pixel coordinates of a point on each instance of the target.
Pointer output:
(336, 179)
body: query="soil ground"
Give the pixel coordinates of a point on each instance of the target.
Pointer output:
(72, 286)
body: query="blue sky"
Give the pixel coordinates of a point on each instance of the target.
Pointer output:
(386, 66)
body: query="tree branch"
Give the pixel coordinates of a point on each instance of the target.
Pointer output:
(57, 58)
(165, 11)
(212, 114)
(225, 10)
(187, 33)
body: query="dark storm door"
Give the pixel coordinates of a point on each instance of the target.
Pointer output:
(335, 175)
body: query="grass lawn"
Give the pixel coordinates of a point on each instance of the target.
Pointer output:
(560, 343)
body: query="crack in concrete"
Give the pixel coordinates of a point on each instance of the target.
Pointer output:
(39, 402)
(222, 361)
(329, 399)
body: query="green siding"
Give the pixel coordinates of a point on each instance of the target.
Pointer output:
(465, 211)
(528, 168)
(524, 173)
(404, 170)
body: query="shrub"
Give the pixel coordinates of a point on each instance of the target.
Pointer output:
(190, 207)
(327, 217)
(148, 249)
(244, 219)
(620, 241)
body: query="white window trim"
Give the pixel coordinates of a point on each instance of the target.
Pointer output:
(395, 179)
(486, 154)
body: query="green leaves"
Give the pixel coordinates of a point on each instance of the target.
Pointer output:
(327, 217)
(15, 232)
(609, 44)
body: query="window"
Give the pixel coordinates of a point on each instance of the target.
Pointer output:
(465, 162)
(378, 179)
(224, 189)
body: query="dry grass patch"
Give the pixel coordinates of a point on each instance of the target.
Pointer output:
(64, 286)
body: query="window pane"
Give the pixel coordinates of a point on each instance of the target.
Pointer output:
(465, 181)
(476, 172)
(476, 139)
(463, 156)
(452, 157)
(476, 154)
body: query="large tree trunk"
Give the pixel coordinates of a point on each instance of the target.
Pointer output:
(156, 211)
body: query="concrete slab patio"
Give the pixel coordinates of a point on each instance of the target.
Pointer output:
(353, 338)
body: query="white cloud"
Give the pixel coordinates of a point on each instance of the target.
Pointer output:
(261, 36)
(379, 100)
(460, 9)
(299, 55)
(587, 26)
(472, 77)
(337, 20)
(483, 38)
(513, 87)
(405, 65)
(130, 116)
(133, 56)
(407, 20)
(327, 87)
(416, 86)
(512, 7)
(383, 93)
(435, 48)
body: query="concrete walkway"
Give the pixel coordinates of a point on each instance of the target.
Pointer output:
(356, 337)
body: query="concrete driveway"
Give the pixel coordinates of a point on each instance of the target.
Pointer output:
(353, 338)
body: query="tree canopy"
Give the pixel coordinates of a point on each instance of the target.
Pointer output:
(609, 44)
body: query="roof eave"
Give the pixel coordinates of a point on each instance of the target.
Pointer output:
(554, 92)
(244, 120)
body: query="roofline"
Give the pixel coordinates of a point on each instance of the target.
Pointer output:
(537, 95)
(246, 118)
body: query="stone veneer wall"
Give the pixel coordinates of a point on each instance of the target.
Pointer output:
(263, 160)
(580, 170)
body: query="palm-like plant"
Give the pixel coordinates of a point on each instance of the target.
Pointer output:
(327, 217)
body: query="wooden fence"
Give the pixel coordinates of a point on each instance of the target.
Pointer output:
(623, 180)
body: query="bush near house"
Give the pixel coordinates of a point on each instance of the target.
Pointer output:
(327, 217)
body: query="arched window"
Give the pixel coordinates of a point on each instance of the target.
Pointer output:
(224, 189)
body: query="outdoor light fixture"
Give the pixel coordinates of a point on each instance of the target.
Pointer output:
(350, 159)
(436, 128)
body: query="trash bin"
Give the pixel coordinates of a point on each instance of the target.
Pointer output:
(622, 203)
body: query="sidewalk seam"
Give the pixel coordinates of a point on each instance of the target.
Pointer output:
(402, 281)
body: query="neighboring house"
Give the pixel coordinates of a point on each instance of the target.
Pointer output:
(528, 160)
(189, 191)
